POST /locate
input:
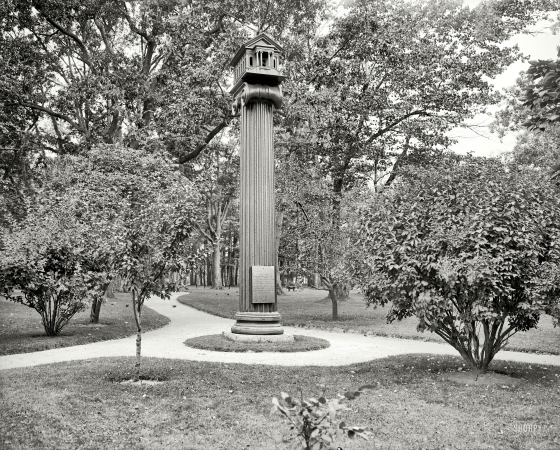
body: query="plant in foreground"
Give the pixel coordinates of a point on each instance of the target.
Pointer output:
(314, 420)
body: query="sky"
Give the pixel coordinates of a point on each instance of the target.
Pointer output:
(540, 46)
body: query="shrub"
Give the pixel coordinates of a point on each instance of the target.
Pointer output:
(41, 267)
(469, 247)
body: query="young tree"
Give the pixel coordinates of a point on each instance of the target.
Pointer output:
(314, 241)
(469, 247)
(157, 233)
(154, 205)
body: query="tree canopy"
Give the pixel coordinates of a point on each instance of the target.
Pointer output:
(143, 73)
(391, 78)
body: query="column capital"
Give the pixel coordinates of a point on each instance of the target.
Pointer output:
(248, 92)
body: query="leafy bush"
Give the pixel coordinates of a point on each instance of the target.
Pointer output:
(314, 420)
(41, 267)
(469, 247)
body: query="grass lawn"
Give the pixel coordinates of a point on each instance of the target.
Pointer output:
(21, 329)
(219, 343)
(224, 406)
(310, 307)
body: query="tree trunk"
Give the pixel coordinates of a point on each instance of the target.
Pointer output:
(137, 308)
(96, 304)
(208, 272)
(229, 271)
(343, 291)
(95, 310)
(279, 223)
(279, 290)
(476, 352)
(217, 269)
(110, 292)
(315, 280)
(334, 302)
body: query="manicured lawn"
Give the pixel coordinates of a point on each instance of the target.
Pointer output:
(220, 406)
(310, 307)
(21, 330)
(218, 343)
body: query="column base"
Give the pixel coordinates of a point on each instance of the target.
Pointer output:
(251, 338)
(257, 323)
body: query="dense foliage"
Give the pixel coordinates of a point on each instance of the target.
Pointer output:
(379, 91)
(468, 247)
(153, 205)
(536, 125)
(45, 264)
(542, 96)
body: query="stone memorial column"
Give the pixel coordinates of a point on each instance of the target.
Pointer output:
(257, 93)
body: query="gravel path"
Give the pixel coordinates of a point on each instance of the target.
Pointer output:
(186, 322)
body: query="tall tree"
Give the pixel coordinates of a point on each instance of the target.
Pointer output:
(536, 124)
(216, 176)
(383, 86)
(391, 78)
(144, 73)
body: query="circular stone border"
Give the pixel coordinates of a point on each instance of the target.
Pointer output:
(219, 343)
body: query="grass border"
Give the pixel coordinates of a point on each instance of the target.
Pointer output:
(219, 343)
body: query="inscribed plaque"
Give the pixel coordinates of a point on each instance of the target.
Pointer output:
(263, 284)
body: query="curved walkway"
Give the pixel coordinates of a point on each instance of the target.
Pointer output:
(186, 322)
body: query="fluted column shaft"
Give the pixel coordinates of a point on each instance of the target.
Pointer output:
(256, 207)
(256, 216)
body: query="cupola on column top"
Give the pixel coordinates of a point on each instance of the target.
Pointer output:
(257, 62)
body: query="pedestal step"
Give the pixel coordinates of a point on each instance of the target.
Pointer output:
(258, 337)
(257, 323)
